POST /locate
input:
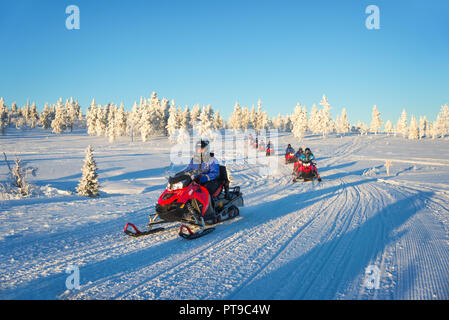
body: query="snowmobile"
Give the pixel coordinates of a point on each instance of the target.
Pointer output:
(290, 158)
(305, 170)
(269, 151)
(189, 203)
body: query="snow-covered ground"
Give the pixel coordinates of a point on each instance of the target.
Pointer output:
(291, 241)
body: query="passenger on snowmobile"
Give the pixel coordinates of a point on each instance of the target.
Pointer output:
(306, 156)
(299, 153)
(269, 149)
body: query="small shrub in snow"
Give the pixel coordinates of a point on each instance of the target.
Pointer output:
(88, 186)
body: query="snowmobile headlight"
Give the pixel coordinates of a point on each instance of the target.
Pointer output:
(176, 186)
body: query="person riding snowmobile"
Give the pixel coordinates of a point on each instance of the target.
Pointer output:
(289, 149)
(306, 156)
(210, 168)
(299, 153)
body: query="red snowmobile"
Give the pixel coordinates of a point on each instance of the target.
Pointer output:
(290, 157)
(269, 151)
(305, 170)
(188, 202)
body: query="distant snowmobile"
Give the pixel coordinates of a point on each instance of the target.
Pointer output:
(305, 170)
(188, 202)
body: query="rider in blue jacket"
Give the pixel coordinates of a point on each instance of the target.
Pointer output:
(306, 156)
(289, 149)
(210, 168)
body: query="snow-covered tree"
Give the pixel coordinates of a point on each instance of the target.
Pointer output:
(218, 121)
(88, 185)
(413, 131)
(120, 121)
(172, 123)
(388, 127)
(342, 123)
(313, 124)
(185, 120)
(4, 121)
(59, 123)
(402, 124)
(194, 115)
(91, 118)
(235, 120)
(376, 121)
(299, 121)
(207, 119)
(422, 127)
(442, 123)
(101, 119)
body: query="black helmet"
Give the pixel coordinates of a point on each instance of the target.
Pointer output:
(307, 150)
(300, 149)
(202, 144)
(289, 145)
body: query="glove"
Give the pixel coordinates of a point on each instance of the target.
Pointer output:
(197, 179)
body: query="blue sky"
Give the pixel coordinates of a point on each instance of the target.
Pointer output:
(220, 52)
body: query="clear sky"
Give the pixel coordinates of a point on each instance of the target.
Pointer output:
(221, 51)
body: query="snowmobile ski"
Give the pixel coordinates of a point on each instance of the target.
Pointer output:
(190, 235)
(138, 233)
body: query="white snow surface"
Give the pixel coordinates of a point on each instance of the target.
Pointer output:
(291, 241)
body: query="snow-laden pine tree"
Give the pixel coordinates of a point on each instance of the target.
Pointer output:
(413, 130)
(207, 120)
(245, 120)
(442, 123)
(59, 123)
(299, 121)
(172, 123)
(314, 120)
(185, 120)
(3, 116)
(111, 130)
(261, 117)
(101, 119)
(165, 114)
(376, 121)
(46, 117)
(194, 116)
(218, 121)
(88, 185)
(91, 118)
(325, 124)
(252, 118)
(235, 122)
(422, 127)
(132, 122)
(342, 124)
(33, 116)
(402, 124)
(388, 127)
(120, 121)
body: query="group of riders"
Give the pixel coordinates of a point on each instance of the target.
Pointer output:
(260, 145)
(205, 162)
(304, 164)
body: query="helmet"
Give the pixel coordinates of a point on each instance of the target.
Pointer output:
(202, 144)
(307, 150)
(300, 149)
(289, 145)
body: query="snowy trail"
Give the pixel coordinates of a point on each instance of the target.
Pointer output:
(291, 241)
